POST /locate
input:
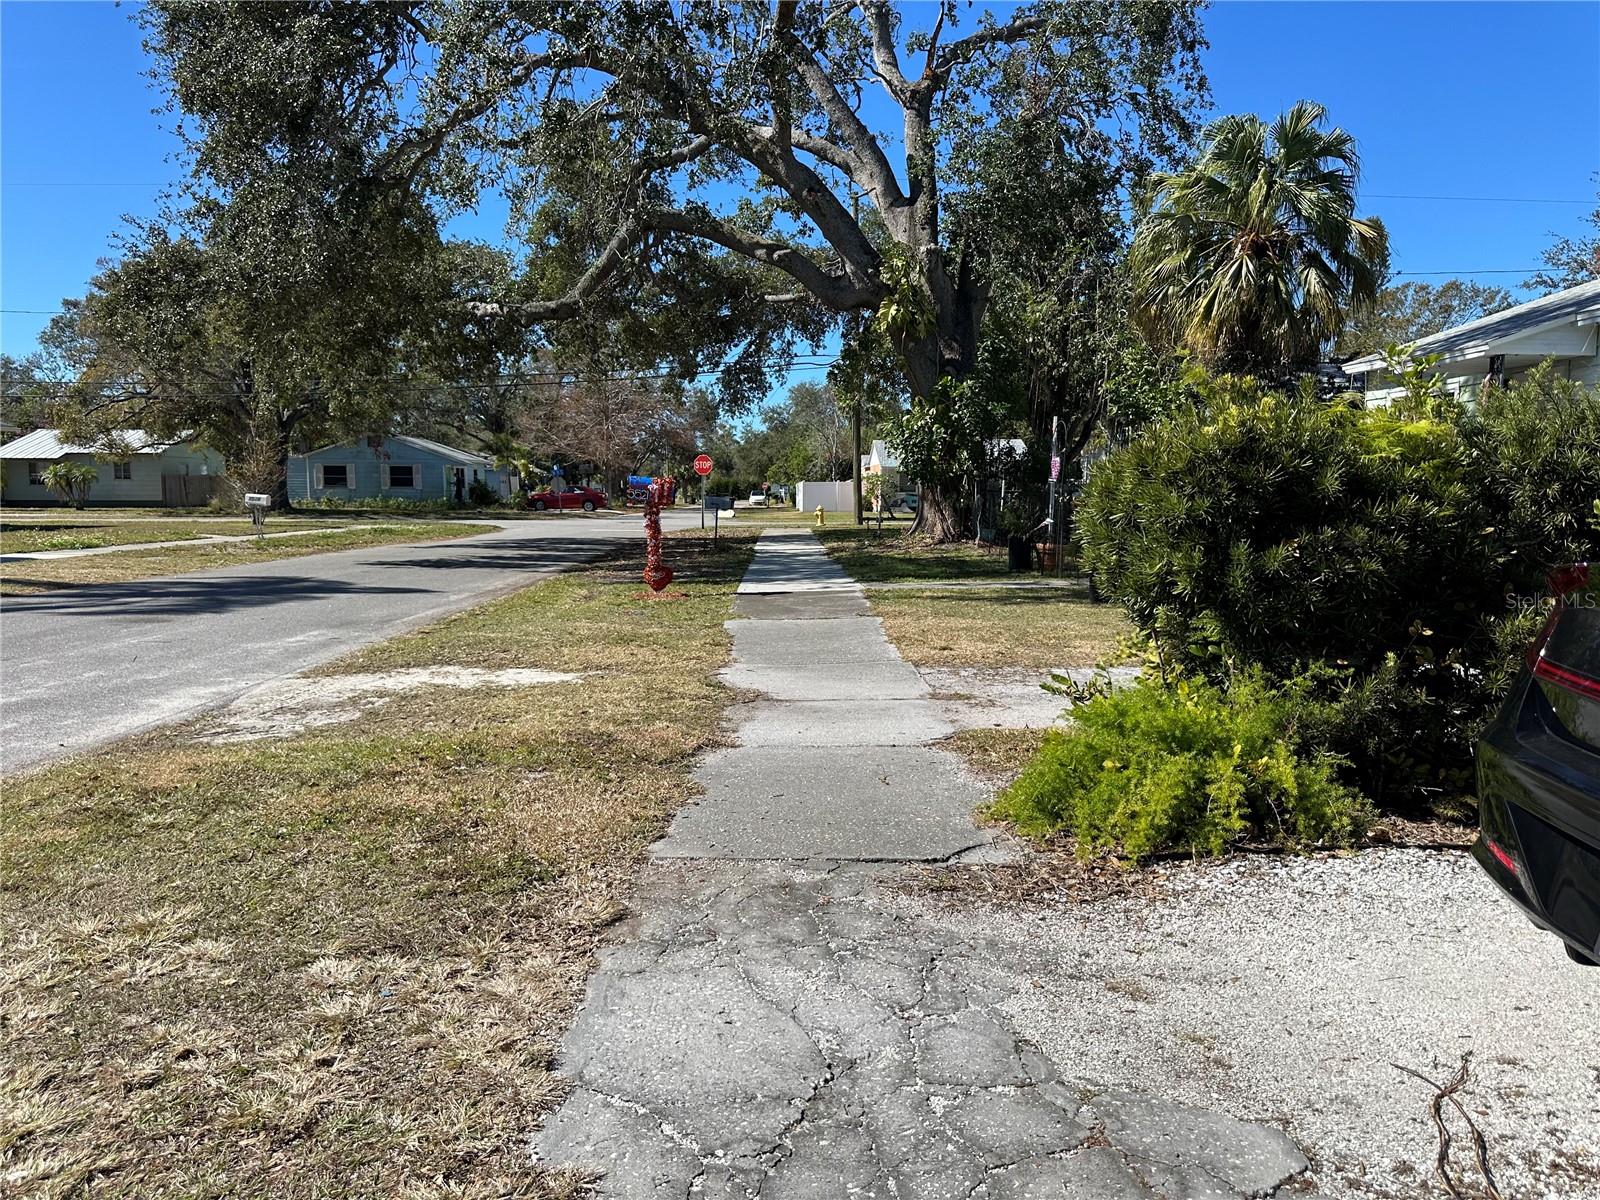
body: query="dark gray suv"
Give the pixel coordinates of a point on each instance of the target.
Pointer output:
(1539, 776)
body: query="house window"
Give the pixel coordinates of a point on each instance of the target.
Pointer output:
(122, 470)
(36, 474)
(335, 475)
(402, 475)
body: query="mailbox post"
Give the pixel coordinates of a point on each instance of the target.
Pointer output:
(258, 503)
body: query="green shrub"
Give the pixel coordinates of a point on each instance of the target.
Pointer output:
(481, 495)
(1192, 768)
(394, 504)
(70, 481)
(1387, 544)
(1533, 452)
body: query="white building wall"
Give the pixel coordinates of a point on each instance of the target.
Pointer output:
(142, 487)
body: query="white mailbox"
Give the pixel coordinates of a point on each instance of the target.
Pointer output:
(257, 500)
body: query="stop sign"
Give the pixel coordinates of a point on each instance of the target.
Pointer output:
(702, 465)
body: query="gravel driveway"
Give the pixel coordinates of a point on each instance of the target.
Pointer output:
(1283, 990)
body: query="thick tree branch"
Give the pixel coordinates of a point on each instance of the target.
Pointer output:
(782, 100)
(966, 49)
(839, 292)
(564, 308)
(867, 166)
(883, 49)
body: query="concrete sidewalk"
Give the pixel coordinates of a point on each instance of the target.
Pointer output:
(776, 1022)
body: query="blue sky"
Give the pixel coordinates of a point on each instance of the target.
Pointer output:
(1447, 101)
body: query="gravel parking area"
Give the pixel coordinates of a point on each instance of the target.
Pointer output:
(1284, 989)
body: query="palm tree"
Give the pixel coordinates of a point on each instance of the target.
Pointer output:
(1251, 257)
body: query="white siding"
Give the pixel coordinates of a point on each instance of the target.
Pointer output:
(142, 487)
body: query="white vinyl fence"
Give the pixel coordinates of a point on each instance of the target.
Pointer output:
(834, 497)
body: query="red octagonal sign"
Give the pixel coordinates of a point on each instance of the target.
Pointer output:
(702, 464)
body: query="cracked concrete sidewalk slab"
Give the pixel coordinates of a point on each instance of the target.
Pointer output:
(859, 803)
(828, 681)
(807, 723)
(826, 641)
(813, 606)
(766, 1030)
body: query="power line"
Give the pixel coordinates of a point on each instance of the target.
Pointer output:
(1473, 199)
(1488, 271)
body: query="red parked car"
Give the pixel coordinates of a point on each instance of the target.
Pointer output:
(585, 498)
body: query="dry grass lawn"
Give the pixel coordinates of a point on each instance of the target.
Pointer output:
(38, 575)
(993, 627)
(338, 964)
(996, 756)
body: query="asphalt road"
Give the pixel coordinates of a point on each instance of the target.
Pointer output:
(86, 665)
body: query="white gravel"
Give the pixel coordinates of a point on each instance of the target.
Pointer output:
(1283, 989)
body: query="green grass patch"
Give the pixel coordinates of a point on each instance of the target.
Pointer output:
(339, 962)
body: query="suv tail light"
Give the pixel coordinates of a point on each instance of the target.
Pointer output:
(1573, 681)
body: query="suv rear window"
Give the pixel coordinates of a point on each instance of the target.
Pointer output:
(1575, 641)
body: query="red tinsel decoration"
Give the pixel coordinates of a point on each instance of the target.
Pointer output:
(656, 573)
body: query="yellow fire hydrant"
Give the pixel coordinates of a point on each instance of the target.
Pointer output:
(821, 519)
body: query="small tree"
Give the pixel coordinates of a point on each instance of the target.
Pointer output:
(71, 481)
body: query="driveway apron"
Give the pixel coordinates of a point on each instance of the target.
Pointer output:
(778, 1019)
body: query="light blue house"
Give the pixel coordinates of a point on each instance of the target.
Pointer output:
(401, 468)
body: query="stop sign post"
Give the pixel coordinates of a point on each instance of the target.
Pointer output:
(702, 468)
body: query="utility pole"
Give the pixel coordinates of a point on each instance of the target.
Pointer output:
(855, 421)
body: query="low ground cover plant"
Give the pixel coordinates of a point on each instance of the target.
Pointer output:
(1190, 768)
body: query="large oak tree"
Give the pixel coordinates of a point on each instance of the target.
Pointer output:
(735, 139)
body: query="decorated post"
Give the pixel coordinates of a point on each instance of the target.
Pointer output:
(656, 573)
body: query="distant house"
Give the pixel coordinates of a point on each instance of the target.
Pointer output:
(402, 468)
(145, 470)
(1562, 326)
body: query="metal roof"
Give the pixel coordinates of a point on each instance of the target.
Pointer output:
(439, 448)
(1558, 308)
(426, 445)
(43, 444)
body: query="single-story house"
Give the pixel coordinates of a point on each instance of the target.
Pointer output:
(142, 470)
(402, 468)
(1563, 326)
(880, 461)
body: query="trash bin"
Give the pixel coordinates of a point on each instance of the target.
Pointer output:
(1019, 555)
